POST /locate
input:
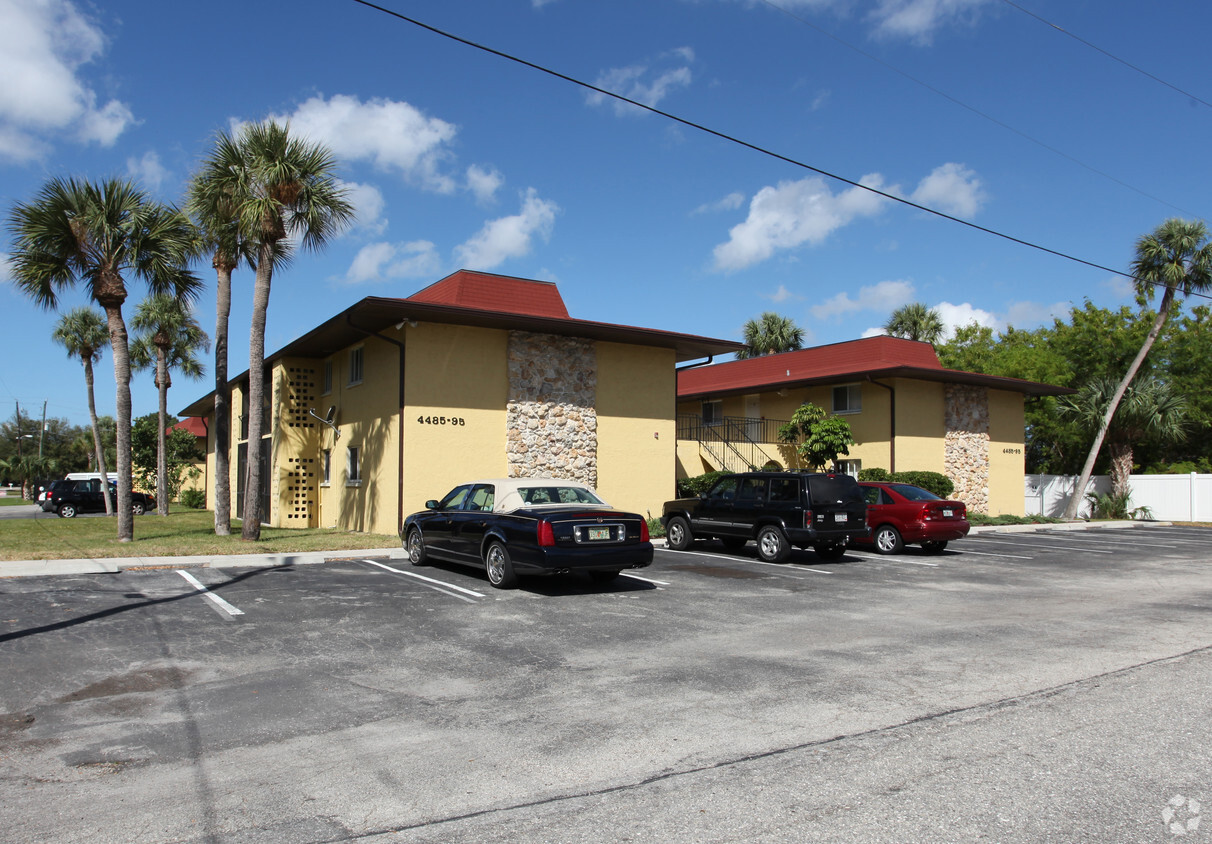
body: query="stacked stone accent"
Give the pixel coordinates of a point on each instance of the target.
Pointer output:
(551, 415)
(966, 444)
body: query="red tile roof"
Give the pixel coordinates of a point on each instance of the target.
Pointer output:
(196, 425)
(874, 357)
(499, 293)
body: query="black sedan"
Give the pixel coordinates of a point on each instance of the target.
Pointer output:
(523, 526)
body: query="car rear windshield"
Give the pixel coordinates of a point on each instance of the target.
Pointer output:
(834, 489)
(558, 495)
(915, 493)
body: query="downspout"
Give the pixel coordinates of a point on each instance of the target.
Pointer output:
(891, 422)
(710, 358)
(400, 456)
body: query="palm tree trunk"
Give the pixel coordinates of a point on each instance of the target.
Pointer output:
(121, 349)
(161, 438)
(222, 424)
(98, 448)
(1121, 467)
(251, 530)
(1079, 493)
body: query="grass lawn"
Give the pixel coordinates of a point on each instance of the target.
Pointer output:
(181, 533)
(13, 500)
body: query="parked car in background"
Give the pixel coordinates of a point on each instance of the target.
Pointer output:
(778, 510)
(69, 497)
(903, 514)
(522, 526)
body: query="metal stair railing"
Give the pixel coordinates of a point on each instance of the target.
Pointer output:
(728, 441)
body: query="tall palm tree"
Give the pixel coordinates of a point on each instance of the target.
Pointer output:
(168, 338)
(211, 202)
(82, 332)
(1177, 257)
(1148, 411)
(770, 334)
(915, 321)
(286, 193)
(95, 235)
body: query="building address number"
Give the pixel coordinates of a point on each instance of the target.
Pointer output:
(1012, 451)
(441, 420)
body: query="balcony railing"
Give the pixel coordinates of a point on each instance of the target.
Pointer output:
(733, 443)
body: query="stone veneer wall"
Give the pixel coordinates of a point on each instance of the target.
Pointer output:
(551, 415)
(966, 444)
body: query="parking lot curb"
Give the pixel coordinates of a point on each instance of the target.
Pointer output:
(113, 565)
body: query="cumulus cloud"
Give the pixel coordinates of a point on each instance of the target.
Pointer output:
(368, 204)
(731, 202)
(958, 316)
(42, 48)
(874, 297)
(644, 83)
(794, 213)
(918, 20)
(484, 182)
(392, 135)
(509, 237)
(147, 171)
(953, 189)
(782, 295)
(383, 261)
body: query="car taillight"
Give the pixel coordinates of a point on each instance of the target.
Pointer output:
(807, 518)
(644, 537)
(927, 514)
(546, 534)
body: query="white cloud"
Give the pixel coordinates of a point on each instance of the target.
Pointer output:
(1033, 314)
(917, 20)
(644, 84)
(147, 171)
(731, 202)
(381, 261)
(508, 237)
(885, 295)
(794, 213)
(783, 295)
(368, 204)
(6, 268)
(390, 134)
(958, 316)
(484, 182)
(42, 46)
(951, 188)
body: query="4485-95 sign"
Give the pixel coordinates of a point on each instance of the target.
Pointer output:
(457, 421)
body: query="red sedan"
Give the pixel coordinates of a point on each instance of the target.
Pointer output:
(903, 514)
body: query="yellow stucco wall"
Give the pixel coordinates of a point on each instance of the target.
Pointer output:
(1007, 421)
(459, 373)
(636, 388)
(921, 426)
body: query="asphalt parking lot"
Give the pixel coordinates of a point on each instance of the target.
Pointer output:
(1015, 687)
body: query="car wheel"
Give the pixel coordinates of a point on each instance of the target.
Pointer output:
(772, 545)
(499, 567)
(604, 576)
(831, 552)
(67, 511)
(934, 547)
(888, 540)
(677, 534)
(137, 508)
(733, 543)
(416, 548)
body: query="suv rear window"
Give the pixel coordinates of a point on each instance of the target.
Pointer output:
(834, 489)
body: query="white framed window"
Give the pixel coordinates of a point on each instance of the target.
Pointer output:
(848, 398)
(325, 466)
(849, 467)
(353, 466)
(355, 365)
(326, 378)
(713, 411)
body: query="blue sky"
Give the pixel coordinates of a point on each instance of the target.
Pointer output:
(457, 158)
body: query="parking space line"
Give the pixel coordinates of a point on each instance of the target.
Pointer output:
(914, 562)
(436, 585)
(210, 596)
(732, 559)
(1037, 545)
(645, 579)
(1106, 540)
(990, 554)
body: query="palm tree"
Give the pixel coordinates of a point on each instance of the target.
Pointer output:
(168, 338)
(285, 192)
(1148, 411)
(770, 334)
(82, 332)
(1178, 257)
(211, 203)
(916, 322)
(81, 233)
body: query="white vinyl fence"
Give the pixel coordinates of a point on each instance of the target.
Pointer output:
(1174, 498)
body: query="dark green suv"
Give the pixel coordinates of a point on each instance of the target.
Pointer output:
(779, 510)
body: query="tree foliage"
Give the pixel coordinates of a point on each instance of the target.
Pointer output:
(181, 452)
(915, 321)
(770, 334)
(818, 437)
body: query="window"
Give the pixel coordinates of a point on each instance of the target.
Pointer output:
(725, 490)
(244, 413)
(848, 399)
(353, 466)
(713, 412)
(849, 467)
(325, 466)
(481, 498)
(752, 490)
(785, 489)
(326, 386)
(355, 365)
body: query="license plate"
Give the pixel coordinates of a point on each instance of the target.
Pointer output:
(841, 517)
(948, 512)
(599, 533)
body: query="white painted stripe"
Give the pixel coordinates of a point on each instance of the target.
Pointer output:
(784, 566)
(1105, 540)
(438, 584)
(1038, 545)
(211, 596)
(987, 554)
(645, 579)
(913, 562)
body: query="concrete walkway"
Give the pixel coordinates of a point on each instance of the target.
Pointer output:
(42, 568)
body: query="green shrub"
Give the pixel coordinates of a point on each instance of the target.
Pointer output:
(981, 519)
(874, 474)
(698, 485)
(655, 529)
(195, 499)
(939, 484)
(1115, 506)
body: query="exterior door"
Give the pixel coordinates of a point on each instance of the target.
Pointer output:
(753, 417)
